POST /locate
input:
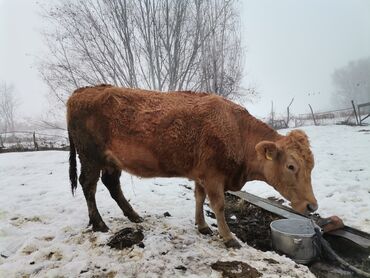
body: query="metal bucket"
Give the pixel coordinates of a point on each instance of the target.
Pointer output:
(296, 238)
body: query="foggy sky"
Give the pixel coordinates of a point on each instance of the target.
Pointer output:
(292, 46)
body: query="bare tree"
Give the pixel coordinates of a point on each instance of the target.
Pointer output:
(8, 104)
(222, 54)
(156, 44)
(352, 82)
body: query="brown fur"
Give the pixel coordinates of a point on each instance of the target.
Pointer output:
(203, 137)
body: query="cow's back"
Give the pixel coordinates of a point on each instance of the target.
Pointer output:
(151, 133)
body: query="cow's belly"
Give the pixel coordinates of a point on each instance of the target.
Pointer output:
(140, 160)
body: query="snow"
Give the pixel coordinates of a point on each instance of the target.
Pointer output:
(43, 229)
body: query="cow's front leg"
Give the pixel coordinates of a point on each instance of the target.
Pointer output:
(216, 197)
(200, 196)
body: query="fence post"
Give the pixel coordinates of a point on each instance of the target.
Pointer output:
(34, 141)
(272, 115)
(354, 110)
(1, 142)
(313, 115)
(288, 113)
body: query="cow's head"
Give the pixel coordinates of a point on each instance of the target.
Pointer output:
(287, 166)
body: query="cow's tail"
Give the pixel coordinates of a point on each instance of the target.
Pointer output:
(72, 164)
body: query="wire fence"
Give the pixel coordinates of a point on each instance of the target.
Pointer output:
(17, 141)
(355, 115)
(341, 116)
(57, 139)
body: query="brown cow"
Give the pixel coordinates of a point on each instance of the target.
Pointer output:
(203, 137)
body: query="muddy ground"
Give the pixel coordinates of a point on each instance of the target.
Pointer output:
(236, 269)
(251, 224)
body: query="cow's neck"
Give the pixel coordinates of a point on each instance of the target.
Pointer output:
(255, 132)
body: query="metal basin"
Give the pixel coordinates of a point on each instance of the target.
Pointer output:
(296, 238)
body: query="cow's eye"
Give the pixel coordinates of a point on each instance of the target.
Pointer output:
(291, 167)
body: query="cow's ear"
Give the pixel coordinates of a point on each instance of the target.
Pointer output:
(267, 150)
(299, 136)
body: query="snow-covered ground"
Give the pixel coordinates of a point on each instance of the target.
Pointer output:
(43, 228)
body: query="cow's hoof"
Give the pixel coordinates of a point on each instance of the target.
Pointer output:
(205, 231)
(101, 227)
(135, 218)
(233, 243)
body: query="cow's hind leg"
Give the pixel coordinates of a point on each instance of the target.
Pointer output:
(215, 192)
(110, 178)
(200, 196)
(88, 179)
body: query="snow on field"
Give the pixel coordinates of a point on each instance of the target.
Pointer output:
(43, 228)
(341, 176)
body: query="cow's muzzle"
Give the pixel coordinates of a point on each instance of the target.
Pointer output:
(312, 207)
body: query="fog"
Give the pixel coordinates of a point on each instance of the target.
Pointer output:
(292, 49)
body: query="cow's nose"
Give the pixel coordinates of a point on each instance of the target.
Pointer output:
(312, 207)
